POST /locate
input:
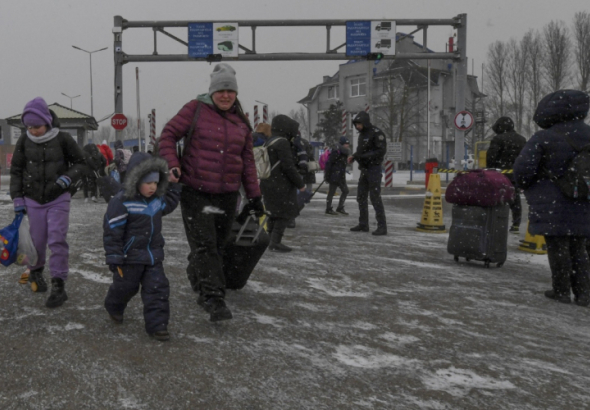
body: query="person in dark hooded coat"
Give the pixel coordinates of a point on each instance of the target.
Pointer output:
(335, 175)
(564, 222)
(279, 191)
(370, 151)
(95, 163)
(134, 243)
(503, 151)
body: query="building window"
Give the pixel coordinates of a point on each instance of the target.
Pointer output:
(358, 87)
(332, 93)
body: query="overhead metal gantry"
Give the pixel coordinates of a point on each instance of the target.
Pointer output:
(251, 53)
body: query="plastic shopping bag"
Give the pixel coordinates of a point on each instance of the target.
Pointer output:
(26, 253)
(9, 240)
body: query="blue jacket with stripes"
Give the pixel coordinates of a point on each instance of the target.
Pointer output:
(133, 223)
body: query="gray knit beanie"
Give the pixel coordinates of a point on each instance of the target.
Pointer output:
(223, 77)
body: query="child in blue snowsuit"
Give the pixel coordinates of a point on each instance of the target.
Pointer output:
(134, 243)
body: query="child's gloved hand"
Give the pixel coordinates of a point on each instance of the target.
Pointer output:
(64, 182)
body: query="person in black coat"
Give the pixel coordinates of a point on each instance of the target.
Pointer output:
(308, 176)
(503, 151)
(564, 222)
(134, 244)
(95, 163)
(335, 175)
(369, 154)
(280, 189)
(46, 163)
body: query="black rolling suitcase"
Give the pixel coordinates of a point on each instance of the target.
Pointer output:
(479, 233)
(246, 245)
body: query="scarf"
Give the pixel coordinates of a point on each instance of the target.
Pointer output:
(48, 136)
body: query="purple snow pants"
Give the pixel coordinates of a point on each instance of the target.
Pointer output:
(49, 227)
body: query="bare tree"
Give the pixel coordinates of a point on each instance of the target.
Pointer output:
(400, 110)
(496, 69)
(300, 116)
(516, 80)
(533, 42)
(581, 29)
(104, 133)
(557, 55)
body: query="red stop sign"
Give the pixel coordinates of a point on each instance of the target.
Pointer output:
(119, 121)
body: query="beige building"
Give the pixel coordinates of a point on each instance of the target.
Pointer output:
(396, 94)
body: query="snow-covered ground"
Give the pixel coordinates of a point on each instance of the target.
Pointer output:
(345, 321)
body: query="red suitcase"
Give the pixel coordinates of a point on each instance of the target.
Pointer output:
(480, 187)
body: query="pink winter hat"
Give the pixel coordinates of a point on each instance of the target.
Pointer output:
(36, 113)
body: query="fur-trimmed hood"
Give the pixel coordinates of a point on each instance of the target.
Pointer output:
(139, 166)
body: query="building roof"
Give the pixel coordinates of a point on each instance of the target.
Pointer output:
(66, 116)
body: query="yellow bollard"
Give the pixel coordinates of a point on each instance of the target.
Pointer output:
(432, 214)
(533, 243)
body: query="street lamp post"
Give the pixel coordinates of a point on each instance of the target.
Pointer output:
(71, 98)
(90, 54)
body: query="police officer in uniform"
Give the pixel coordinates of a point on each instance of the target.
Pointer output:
(369, 154)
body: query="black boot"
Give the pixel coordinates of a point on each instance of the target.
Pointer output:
(58, 293)
(291, 223)
(330, 211)
(341, 211)
(380, 231)
(275, 243)
(217, 309)
(551, 294)
(360, 228)
(37, 280)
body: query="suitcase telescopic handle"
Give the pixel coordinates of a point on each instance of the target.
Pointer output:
(260, 228)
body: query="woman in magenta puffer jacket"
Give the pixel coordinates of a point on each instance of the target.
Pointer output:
(218, 158)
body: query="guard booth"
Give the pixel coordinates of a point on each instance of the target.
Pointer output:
(76, 123)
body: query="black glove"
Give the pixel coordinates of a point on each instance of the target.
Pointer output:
(256, 206)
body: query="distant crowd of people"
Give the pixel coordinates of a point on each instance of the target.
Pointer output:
(218, 162)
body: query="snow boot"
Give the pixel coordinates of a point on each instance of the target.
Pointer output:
(582, 301)
(58, 293)
(380, 231)
(360, 228)
(341, 211)
(37, 280)
(551, 294)
(330, 211)
(118, 319)
(217, 309)
(161, 335)
(275, 243)
(515, 229)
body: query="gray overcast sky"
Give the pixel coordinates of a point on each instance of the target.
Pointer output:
(37, 58)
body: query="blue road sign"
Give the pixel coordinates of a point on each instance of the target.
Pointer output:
(358, 38)
(200, 40)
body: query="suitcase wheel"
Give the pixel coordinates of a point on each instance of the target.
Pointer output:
(456, 258)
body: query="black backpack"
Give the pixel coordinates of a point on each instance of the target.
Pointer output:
(575, 182)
